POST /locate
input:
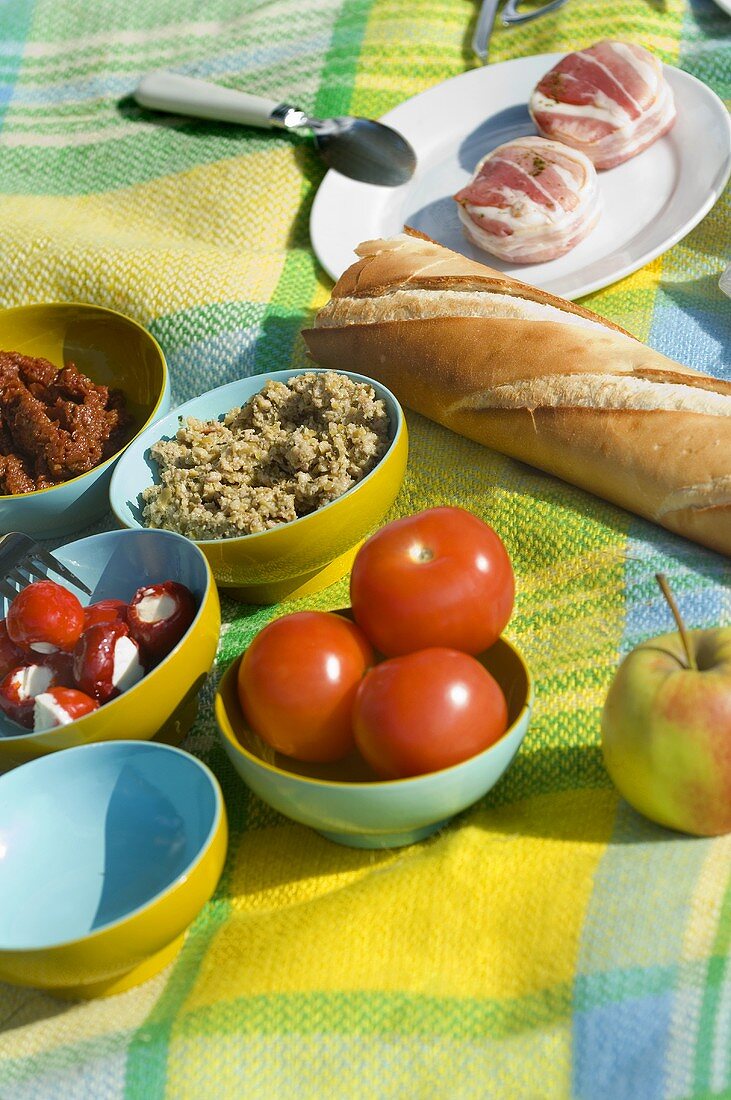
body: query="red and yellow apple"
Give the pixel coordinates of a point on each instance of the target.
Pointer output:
(666, 731)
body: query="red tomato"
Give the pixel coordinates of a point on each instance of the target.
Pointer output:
(45, 617)
(297, 681)
(438, 578)
(427, 711)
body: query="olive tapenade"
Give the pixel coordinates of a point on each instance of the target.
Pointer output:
(55, 423)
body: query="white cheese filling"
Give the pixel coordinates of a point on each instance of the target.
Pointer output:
(48, 713)
(127, 669)
(32, 680)
(152, 609)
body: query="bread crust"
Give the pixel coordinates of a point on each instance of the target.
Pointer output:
(419, 263)
(503, 382)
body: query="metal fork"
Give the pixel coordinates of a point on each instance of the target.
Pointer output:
(20, 555)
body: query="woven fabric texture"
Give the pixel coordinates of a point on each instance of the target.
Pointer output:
(548, 943)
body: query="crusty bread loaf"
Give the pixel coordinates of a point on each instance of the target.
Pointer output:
(538, 378)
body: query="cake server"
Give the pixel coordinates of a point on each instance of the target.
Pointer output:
(358, 147)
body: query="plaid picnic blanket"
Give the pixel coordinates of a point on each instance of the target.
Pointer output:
(550, 942)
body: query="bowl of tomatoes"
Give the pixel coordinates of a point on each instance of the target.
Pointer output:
(127, 660)
(377, 724)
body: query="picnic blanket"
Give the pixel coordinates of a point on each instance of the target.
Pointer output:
(549, 942)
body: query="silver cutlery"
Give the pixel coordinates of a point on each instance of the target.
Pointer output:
(22, 561)
(358, 147)
(483, 28)
(511, 16)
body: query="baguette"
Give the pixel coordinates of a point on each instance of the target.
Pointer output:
(537, 378)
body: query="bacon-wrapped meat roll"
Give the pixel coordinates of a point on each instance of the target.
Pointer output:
(610, 101)
(530, 200)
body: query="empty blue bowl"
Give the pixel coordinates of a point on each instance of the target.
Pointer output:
(107, 853)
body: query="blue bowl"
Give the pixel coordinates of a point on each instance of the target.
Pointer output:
(163, 704)
(293, 559)
(113, 350)
(108, 852)
(345, 801)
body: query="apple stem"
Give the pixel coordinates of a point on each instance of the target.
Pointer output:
(684, 636)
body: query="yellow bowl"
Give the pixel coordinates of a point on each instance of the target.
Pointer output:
(163, 704)
(345, 801)
(113, 350)
(109, 852)
(294, 559)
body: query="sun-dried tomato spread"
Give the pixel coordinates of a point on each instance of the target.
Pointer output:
(55, 423)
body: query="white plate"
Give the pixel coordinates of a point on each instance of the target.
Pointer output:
(725, 5)
(650, 201)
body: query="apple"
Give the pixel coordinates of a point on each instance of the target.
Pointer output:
(666, 728)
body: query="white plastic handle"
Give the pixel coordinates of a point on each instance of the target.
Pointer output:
(183, 95)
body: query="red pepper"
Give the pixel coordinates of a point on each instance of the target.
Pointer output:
(158, 617)
(95, 659)
(11, 655)
(45, 617)
(19, 690)
(59, 706)
(105, 611)
(62, 665)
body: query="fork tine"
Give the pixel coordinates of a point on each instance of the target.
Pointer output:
(50, 562)
(13, 548)
(17, 576)
(34, 570)
(7, 590)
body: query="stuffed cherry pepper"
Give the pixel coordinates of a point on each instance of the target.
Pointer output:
(105, 611)
(158, 616)
(59, 706)
(107, 661)
(11, 655)
(46, 618)
(20, 688)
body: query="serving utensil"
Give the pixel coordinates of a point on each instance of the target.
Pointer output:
(20, 555)
(511, 17)
(358, 147)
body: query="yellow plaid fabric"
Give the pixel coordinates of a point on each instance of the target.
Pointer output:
(549, 942)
